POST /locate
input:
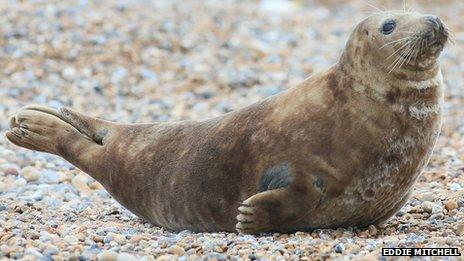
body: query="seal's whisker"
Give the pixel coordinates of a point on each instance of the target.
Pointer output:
(410, 8)
(400, 59)
(451, 36)
(418, 49)
(413, 53)
(395, 41)
(393, 65)
(399, 56)
(373, 6)
(394, 12)
(451, 39)
(399, 49)
(421, 46)
(384, 8)
(410, 54)
(424, 43)
(372, 13)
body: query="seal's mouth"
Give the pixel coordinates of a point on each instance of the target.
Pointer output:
(422, 49)
(437, 34)
(427, 45)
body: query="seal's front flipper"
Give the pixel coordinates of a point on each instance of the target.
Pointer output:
(94, 128)
(281, 208)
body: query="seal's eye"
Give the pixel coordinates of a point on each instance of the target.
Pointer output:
(388, 27)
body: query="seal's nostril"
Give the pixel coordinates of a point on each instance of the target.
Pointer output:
(435, 22)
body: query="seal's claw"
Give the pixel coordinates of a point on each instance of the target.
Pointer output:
(17, 136)
(11, 136)
(254, 216)
(247, 227)
(244, 218)
(13, 122)
(245, 210)
(17, 132)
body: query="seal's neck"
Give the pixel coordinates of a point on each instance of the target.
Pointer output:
(371, 79)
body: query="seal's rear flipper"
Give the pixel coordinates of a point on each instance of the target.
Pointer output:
(96, 129)
(47, 132)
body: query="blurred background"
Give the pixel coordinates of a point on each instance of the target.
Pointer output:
(166, 60)
(172, 60)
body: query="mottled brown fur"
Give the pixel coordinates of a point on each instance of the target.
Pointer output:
(353, 140)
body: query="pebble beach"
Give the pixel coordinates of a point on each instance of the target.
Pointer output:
(146, 61)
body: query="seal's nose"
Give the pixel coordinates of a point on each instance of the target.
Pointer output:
(435, 22)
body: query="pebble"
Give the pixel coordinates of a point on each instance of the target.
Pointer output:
(165, 258)
(120, 239)
(11, 171)
(107, 239)
(107, 256)
(51, 250)
(339, 248)
(136, 239)
(176, 250)
(80, 183)
(451, 205)
(144, 243)
(436, 209)
(50, 176)
(427, 206)
(372, 230)
(455, 187)
(20, 182)
(33, 251)
(126, 257)
(426, 196)
(71, 240)
(30, 173)
(460, 229)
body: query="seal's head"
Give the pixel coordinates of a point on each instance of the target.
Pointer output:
(399, 40)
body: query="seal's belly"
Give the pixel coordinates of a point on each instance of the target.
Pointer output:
(366, 201)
